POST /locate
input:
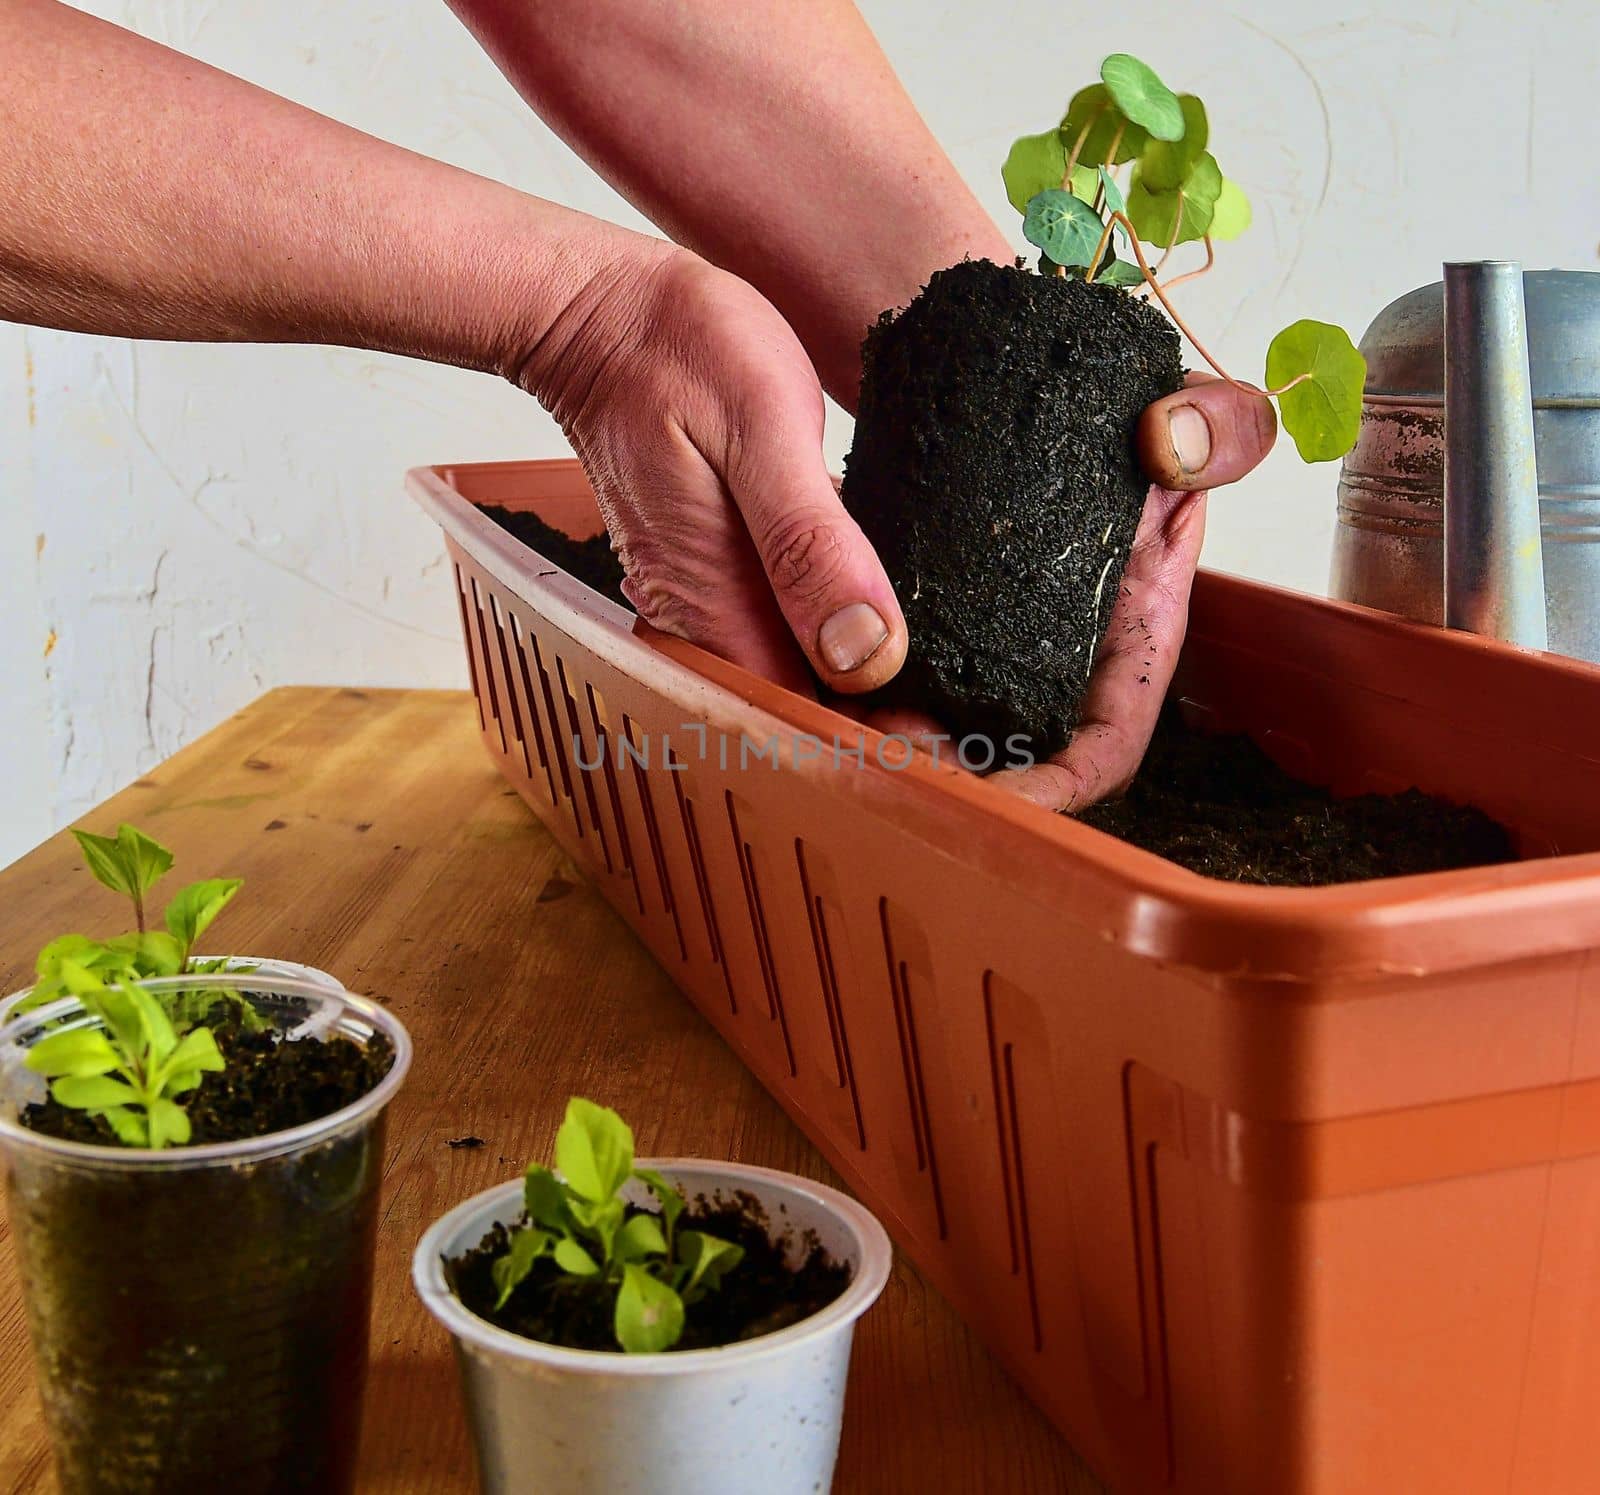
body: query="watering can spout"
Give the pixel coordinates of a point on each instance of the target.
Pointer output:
(1494, 566)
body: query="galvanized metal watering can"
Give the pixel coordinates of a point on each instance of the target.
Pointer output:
(1472, 497)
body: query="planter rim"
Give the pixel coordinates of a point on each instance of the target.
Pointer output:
(347, 1013)
(1277, 936)
(872, 1272)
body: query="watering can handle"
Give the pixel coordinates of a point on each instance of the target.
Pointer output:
(1494, 561)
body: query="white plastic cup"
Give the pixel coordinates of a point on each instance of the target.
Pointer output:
(761, 1415)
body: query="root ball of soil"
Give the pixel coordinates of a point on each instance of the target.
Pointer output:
(994, 471)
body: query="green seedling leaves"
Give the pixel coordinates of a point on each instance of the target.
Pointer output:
(667, 1196)
(508, 1271)
(1142, 96)
(129, 1069)
(168, 1123)
(75, 1053)
(1093, 110)
(1163, 164)
(581, 1222)
(1230, 217)
(1323, 413)
(571, 1257)
(545, 1199)
(639, 1237)
(707, 1261)
(1064, 226)
(1034, 163)
(1154, 215)
(130, 862)
(93, 1092)
(649, 1314)
(594, 1150)
(189, 915)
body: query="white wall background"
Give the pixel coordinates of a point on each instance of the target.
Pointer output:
(183, 527)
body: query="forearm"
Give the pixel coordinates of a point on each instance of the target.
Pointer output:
(770, 136)
(147, 195)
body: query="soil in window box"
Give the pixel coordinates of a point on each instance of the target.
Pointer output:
(1220, 806)
(592, 561)
(761, 1295)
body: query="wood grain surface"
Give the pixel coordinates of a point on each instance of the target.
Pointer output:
(377, 842)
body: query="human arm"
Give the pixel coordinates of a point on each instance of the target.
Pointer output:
(174, 201)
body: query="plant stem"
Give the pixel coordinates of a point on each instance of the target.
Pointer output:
(1177, 228)
(1211, 259)
(1116, 140)
(138, 910)
(1077, 147)
(1182, 326)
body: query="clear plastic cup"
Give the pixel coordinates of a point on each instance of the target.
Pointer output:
(199, 1315)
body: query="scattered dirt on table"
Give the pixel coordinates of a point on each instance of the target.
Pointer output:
(759, 1296)
(269, 1085)
(1220, 806)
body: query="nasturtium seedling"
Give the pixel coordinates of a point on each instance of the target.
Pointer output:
(1063, 182)
(650, 1269)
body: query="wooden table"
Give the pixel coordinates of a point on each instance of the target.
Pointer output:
(377, 842)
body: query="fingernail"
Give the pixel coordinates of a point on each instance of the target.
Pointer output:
(851, 637)
(1190, 436)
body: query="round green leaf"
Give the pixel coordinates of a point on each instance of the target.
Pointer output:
(1064, 226)
(1323, 414)
(1142, 96)
(1163, 164)
(1092, 109)
(1033, 163)
(1153, 214)
(1231, 215)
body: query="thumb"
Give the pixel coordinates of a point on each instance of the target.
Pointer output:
(1208, 434)
(828, 582)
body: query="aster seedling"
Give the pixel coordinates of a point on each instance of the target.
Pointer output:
(131, 1068)
(641, 1259)
(1076, 208)
(131, 863)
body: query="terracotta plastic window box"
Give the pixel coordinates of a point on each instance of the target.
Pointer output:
(1255, 1190)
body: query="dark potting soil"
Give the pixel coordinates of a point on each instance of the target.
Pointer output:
(993, 469)
(1220, 806)
(269, 1085)
(759, 1296)
(592, 561)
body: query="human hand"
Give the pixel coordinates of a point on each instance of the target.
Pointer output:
(1206, 435)
(698, 418)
